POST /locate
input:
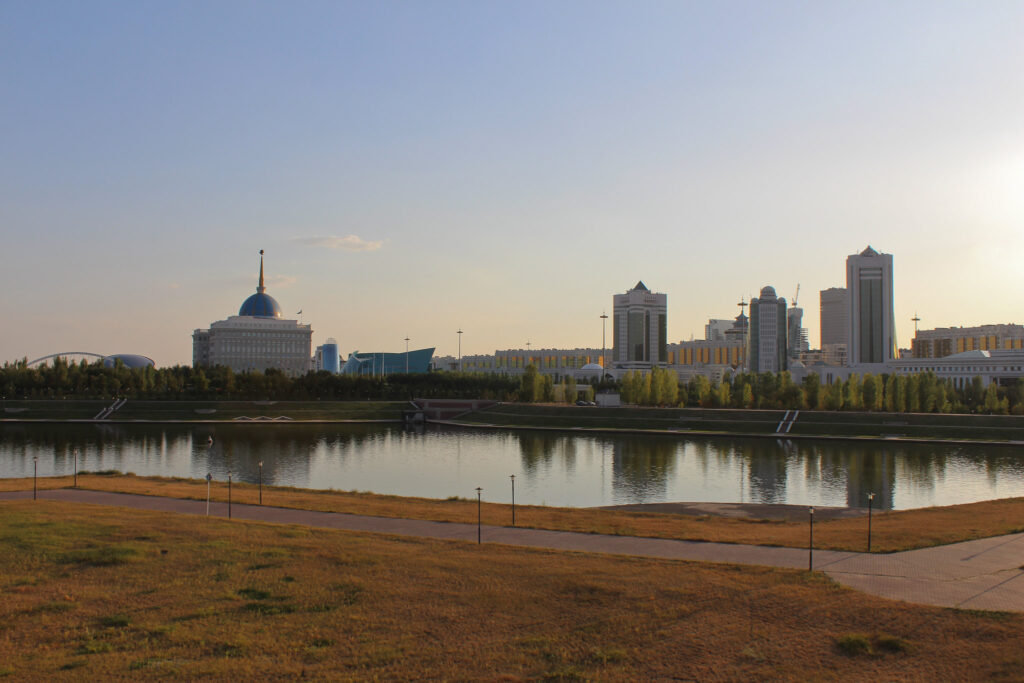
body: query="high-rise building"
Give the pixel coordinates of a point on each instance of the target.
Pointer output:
(796, 333)
(716, 328)
(835, 324)
(872, 324)
(766, 347)
(835, 315)
(327, 357)
(258, 338)
(640, 329)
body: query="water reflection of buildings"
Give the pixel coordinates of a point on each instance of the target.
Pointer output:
(849, 470)
(640, 466)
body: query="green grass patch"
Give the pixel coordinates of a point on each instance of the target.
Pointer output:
(115, 621)
(854, 644)
(263, 609)
(92, 647)
(107, 556)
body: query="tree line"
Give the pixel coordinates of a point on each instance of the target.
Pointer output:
(917, 393)
(62, 380)
(924, 392)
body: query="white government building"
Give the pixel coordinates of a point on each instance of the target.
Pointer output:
(257, 339)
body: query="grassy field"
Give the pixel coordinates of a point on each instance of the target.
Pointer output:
(891, 531)
(809, 423)
(206, 410)
(90, 592)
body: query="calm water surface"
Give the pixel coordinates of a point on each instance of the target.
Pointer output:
(550, 468)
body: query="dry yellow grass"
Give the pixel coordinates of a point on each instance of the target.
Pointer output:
(891, 531)
(89, 592)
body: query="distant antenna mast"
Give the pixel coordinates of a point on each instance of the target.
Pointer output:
(916, 320)
(743, 306)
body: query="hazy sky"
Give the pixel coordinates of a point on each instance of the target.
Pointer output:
(503, 167)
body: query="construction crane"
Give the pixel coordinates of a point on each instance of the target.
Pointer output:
(797, 295)
(916, 321)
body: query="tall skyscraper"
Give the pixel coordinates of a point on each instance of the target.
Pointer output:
(835, 324)
(872, 324)
(766, 349)
(796, 333)
(640, 329)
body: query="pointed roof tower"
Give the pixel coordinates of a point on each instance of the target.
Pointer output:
(641, 286)
(260, 288)
(261, 304)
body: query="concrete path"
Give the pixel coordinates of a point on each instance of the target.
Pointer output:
(984, 574)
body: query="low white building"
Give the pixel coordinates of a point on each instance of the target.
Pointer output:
(1001, 366)
(996, 365)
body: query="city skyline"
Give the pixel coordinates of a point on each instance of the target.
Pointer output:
(501, 169)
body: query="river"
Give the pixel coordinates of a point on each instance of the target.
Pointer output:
(550, 468)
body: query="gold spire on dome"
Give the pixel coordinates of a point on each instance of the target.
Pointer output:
(261, 288)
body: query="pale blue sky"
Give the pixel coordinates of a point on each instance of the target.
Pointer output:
(515, 164)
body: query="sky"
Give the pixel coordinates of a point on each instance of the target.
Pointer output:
(504, 168)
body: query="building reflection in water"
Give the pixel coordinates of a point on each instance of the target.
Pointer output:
(573, 468)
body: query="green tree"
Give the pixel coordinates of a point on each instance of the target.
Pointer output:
(530, 390)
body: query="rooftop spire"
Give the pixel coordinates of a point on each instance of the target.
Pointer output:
(261, 288)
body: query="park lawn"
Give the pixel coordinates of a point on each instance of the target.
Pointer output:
(89, 592)
(891, 531)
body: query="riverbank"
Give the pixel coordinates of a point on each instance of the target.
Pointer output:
(102, 592)
(887, 427)
(891, 531)
(202, 412)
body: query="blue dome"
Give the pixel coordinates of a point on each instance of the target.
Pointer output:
(131, 361)
(261, 305)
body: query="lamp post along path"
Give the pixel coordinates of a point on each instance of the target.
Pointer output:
(478, 491)
(871, 500)
(810, 541)
(513, 478)
(604, 354)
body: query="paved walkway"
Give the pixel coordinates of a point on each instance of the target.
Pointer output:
(984, 574)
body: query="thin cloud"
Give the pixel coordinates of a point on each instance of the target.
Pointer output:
(281, 281)
(346, 243)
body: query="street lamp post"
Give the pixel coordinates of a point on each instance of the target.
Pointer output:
(229, 495)
(478, 490)
(871, 500)
(35, 473)
(407, 354)
(810, 542)
(604, 359)
(209, 478)
(460, 349)
(76, 468)
(261, 482)
(513, 478)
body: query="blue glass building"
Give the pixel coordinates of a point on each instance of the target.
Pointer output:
(380, 363)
